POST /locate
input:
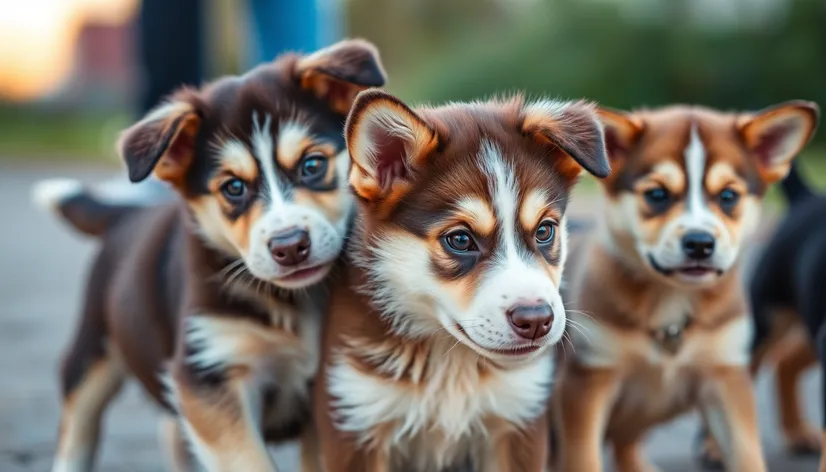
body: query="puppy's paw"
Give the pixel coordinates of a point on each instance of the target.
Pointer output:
(709, 454)
(803, 442)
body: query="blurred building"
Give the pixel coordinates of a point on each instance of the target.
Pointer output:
(103, 74)
(67, 53)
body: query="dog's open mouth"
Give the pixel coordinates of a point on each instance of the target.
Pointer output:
(304, 276)
(511, 351)
(692, 271)
(696, 271)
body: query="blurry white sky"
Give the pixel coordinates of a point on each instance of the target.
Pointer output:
(37, 39)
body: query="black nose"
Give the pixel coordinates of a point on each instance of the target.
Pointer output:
(698, 245)
(531, 321)
(290, 247)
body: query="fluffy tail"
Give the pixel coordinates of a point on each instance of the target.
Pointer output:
(75, 204)
(794, 187)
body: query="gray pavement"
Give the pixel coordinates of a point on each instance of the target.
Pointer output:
(42, 267)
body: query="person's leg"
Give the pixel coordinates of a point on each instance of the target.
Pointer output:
(290, 25)
(170, 36)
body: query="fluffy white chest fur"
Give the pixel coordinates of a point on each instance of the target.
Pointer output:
(431, 408)
(284, 355)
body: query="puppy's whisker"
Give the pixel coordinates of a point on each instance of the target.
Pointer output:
(567, 337)
(584, 331)
(227, 269)
(235, 275)
(575, 322)
(578, 312)
(452, 347)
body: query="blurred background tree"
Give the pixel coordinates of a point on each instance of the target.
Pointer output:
(739, 54)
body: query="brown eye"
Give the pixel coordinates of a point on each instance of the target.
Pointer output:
(460, 241)
(234, 190)
(545, 233)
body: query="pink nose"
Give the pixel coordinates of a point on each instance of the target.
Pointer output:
(531, 321)
(290, 247)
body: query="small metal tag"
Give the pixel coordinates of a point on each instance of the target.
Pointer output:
(670, 338)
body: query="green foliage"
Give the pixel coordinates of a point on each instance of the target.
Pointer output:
(594, 49)
(28, 135)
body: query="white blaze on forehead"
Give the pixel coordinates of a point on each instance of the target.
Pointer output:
(695, 164)
(291, 136)
(262, 146)
(502, 185)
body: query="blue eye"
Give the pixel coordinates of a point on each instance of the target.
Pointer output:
(545, 233)
(657, 195)
(234, 190)
(729, 197)
(313, 168)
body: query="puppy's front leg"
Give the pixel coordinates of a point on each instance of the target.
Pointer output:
(219, 403)
(310, 449)
(518, 449)
(582, 403)
(729, 407)
(220, 419)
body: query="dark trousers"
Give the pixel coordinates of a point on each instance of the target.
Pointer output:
(170, 38)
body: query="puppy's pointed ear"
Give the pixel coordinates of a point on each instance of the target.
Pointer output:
(572, 127)
(777, 134)
(338, 73)
(387, 142)
(163, 141)
(622, 131)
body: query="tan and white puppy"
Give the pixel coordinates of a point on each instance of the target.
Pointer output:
(664, 320)
(438, 352)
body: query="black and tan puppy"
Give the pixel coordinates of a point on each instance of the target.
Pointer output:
(438, 352)
(226, 285)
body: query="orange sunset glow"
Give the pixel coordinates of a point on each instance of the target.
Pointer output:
(38, 38)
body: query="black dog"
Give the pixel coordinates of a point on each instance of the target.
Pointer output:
(790, 274)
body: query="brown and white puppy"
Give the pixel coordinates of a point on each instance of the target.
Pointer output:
(225, 285)
(438, 351)
(665, 325)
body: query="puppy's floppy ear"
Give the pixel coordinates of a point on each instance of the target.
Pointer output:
(622, 131)
(387, 142)
(777, 134)
(163, 141)
(338, 73)
(572, 127)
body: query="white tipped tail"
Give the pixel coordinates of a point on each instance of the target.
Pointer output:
(50, 194)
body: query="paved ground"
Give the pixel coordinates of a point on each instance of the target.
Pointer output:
(42, 266)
